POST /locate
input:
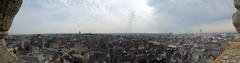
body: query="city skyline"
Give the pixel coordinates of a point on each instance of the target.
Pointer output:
(123, 16)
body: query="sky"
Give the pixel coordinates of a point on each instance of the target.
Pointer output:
(123, 16)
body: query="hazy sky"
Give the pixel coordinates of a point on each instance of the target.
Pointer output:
(121, 16)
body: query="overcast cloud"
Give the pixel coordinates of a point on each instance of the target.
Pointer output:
(123, 16)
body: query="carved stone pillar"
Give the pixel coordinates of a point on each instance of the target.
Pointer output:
(236, 16)
(8, 10)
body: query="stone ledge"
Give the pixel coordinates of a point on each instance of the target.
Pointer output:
(6, 56)
(230, 55)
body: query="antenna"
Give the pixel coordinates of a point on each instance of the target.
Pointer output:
(201, 31)
(79, 32)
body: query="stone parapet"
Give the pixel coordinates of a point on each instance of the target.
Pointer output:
(230, 55)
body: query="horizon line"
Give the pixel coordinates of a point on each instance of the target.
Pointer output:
(118, 33)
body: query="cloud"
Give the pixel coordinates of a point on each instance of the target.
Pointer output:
(182, 16)
(117, 16)
(63, 16)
